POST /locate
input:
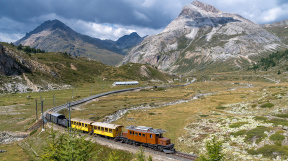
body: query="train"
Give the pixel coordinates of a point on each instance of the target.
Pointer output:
(133, 135)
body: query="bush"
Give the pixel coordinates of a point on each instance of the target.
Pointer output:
(257, 133)
(237, 124)
(267, 105)
(270, 151)
(282, 115)
(221, 108)
(203, 115)
(277, 122)
(277, 138)
(238, 133)
(214, 149)
(260, 118)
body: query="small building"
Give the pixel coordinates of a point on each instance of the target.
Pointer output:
(125, 83)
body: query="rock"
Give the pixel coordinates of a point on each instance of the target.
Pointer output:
(202, 35)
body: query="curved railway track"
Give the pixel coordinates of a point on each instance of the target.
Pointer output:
(176, 155)
(74, 103)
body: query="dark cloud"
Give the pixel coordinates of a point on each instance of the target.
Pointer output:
(20, 16)
(100, 11)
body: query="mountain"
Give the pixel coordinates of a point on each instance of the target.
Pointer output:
(205, 37)
(21, 71)
(55, 36)
(128, 41)
(280, 29)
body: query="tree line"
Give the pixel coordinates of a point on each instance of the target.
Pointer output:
(270, 61)
(28, 49)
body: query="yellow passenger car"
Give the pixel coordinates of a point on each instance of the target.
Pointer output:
(110, 130)
(83, 125)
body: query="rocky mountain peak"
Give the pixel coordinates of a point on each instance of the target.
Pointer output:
(205, 7)
(205, 36)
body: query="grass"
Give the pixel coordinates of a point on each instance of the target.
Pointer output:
(277, 122)
(267, 105)
(270, 151)
(238, 133)
(257, 134)
(221, 108)
(282, 115)
(277, 138)
(13, 152)
(237, 124)
(203, 115)
(260, 118)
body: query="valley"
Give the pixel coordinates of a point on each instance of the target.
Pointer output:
(209, 74)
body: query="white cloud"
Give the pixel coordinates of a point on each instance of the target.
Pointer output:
(5, 37)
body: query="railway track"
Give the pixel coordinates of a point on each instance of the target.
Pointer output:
(157, 155)
(175, 156)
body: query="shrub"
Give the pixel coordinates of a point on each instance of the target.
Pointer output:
(254, 105)
(214, 149)
(277, 138)
(282, 115)
(33, 132)
(260, 118)
(270, 151)
(203, 115)
(221, 108)
(277, 122)
(257, 133)
(238, 133)
(237, 124)
(267, 105)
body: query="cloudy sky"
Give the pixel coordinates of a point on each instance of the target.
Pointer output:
(111, 19)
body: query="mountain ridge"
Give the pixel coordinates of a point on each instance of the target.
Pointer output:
(203, 36)
(53, 36)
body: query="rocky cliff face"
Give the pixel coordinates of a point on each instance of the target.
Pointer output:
(280, 29)
(205, 37)
(8, 65)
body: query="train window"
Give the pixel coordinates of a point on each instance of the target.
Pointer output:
(136, 133)
(102, 128)
(85, 125)
(157, 135)
(106, 130)
(143, 135)
(98, 127)
(151, 136)
(110, 130)
(139, 134)
(131, 133)
(116, 129)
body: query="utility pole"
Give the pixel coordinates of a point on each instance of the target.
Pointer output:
(54, 100)
(69, 117)
(36, 110)
(42, 115)
(72, 94)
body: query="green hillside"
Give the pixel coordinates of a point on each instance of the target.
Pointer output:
(62, 68)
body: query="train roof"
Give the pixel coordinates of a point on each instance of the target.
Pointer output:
(103, 124)
(82, 120)
(145, 129)
(57, 115)
(75, 119)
